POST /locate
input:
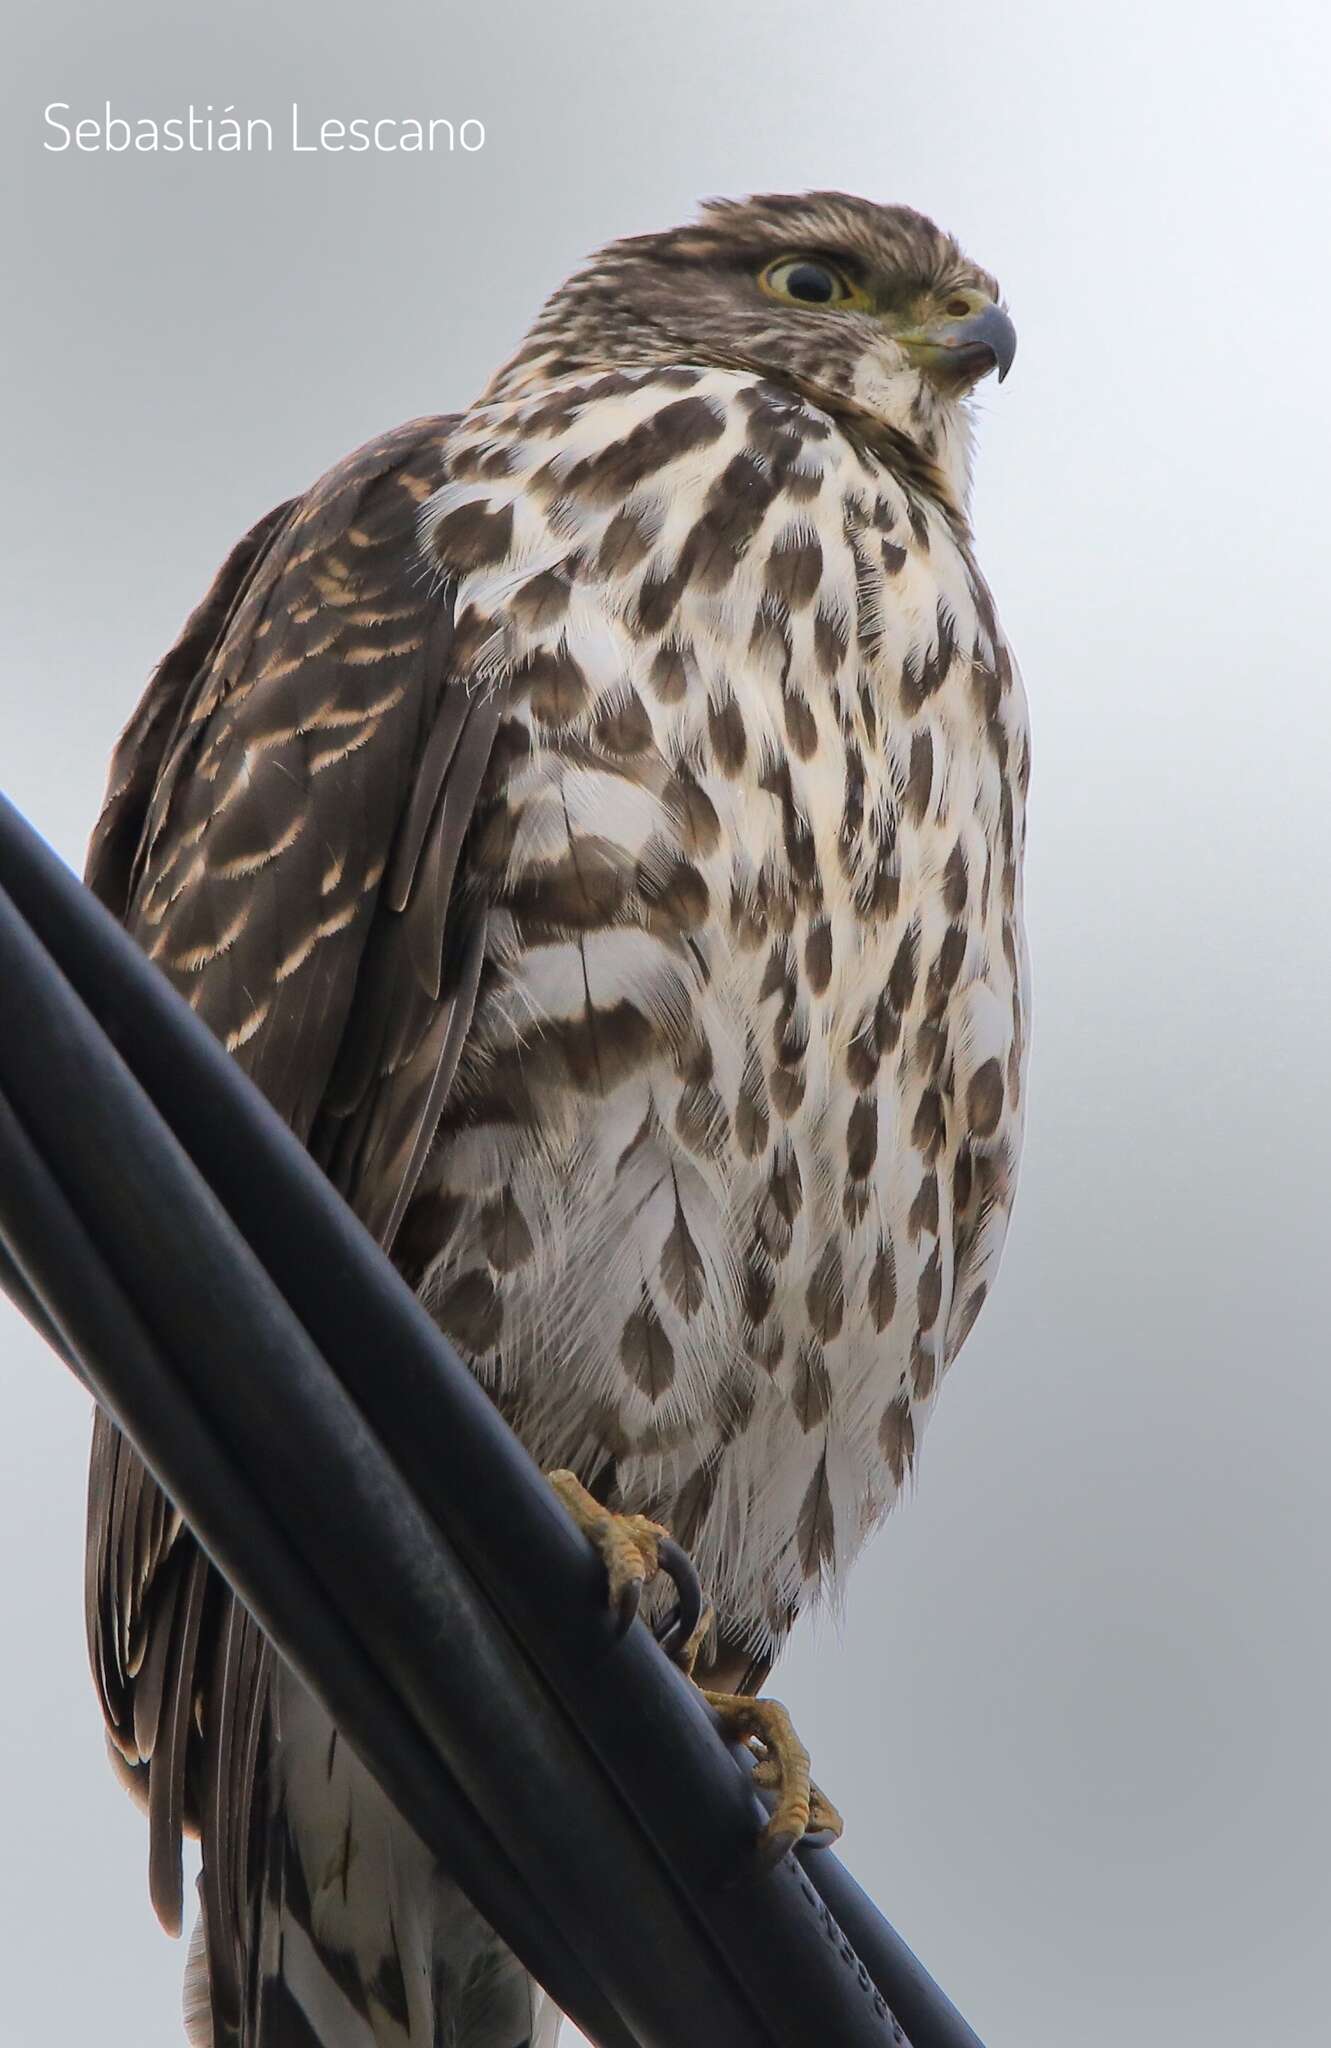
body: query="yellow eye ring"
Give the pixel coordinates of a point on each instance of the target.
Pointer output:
(813, 282)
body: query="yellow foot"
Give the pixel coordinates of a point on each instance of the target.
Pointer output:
(783, 1768)
(634, 1551)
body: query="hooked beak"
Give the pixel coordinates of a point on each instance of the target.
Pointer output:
(956, 353)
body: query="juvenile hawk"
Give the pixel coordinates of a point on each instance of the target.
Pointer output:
(595, 820)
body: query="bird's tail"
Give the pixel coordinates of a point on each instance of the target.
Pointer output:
(197, 2004)
(549, 2024)
(357, 1938)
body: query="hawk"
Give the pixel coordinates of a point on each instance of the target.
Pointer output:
(595, 820)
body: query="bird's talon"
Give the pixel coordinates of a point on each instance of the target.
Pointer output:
(775, 1844)
(634, 1551)
(782, 1768)
(630, 1546)
(825, 1823)
(680, 1629)
(626, 1605)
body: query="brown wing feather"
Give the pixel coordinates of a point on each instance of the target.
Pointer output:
(283, 834)
(137, 759)
(277, 802)
(422, 962)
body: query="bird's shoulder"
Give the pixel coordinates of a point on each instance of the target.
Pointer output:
(304, 580)
(292, 764)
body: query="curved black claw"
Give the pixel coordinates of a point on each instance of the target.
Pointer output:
(680, 1625)
(626, 1610)
(774, 1845)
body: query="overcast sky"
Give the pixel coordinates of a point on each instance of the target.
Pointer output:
(1077, 1710)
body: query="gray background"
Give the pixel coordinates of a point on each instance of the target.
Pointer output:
(1078, 1706)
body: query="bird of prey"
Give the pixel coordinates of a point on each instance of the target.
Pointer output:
(595, 820)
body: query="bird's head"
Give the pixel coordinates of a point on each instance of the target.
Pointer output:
(868, 310)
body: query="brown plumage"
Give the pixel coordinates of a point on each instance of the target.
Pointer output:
(595, 822)
(319, 654)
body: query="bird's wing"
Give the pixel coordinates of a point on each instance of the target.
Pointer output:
(282, 834)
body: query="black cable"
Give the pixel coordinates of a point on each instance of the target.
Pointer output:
(267, 1400)
(481, 1491)
(926, 2012)
(47, 1245)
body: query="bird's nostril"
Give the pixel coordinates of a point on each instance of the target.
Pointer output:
(958, 308)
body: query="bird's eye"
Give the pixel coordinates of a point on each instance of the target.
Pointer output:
(809, 281)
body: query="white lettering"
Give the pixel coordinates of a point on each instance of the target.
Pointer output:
(198, 129)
